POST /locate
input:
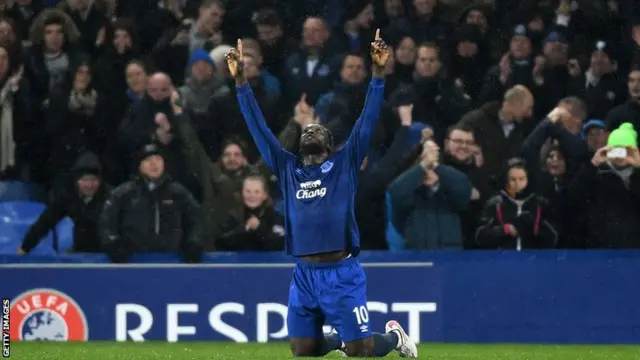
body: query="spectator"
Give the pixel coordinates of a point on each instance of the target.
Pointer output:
(23, 13)
(458, 153)
(19, 155)
(151, 214)
(437, 101)
(77, 121)
(271, 84)
(595, 134)
(151, 119)
(467, 60)
(426, 201)
(340, 108)
(52, 55)
(426, 24)
(310, 70)
(599, 85)
(274, 43)
(498, 129)
(516, 217)
(171, 53)
(515, 68)
(606, 194)
(82, 202)
(224, 114)
(120, 48)
(257, 227)
(195, 94)
(405, 59)
(90, 21)
(218, 191)
(629, 111)
(355, 33)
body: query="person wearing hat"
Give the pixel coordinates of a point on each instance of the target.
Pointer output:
(82, 203)
(151, 213)
(599, 85)
(195, 94)
(468, 59)
(594, 134)
(606, 194)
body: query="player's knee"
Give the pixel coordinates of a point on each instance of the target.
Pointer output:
(303, 348)
(360, 348)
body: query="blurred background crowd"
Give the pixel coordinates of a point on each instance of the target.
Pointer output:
(123, 115)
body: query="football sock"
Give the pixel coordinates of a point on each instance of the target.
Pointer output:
(331, 342)
(385, 343)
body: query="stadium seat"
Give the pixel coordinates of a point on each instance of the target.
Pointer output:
(19, 191)
(64, 234)
(15, 219)
(395, 241)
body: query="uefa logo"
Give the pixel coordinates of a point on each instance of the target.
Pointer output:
(47, 314)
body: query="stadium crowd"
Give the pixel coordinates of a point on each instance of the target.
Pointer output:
(506, 125)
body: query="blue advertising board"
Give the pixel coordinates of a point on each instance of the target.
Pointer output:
(541, 297)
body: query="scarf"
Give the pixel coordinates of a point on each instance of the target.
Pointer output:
(7, 143)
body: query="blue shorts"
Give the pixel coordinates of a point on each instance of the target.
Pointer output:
(328, 293)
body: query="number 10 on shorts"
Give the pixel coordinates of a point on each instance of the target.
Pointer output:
(362, 315)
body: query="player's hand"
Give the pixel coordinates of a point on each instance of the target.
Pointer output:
(252, 223)
(235, 60)
(379, 52)
(21, 252)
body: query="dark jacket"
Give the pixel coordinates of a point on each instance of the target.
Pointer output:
(527, 214)
(83, 212)
(489, 134)
(607, 208)
(136, 219)
(269, 236)
(428, 217)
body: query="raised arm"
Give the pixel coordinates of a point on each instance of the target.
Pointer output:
(360, 138)
(270, 150)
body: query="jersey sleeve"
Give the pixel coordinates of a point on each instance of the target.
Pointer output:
(270, 149)
(360, 138)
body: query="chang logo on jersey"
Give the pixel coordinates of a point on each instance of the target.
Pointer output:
(47, 314)
(311, 190)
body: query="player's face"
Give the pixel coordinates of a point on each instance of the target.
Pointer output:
(315, 139)
(253, 193)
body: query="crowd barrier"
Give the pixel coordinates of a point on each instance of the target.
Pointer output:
(479, 297)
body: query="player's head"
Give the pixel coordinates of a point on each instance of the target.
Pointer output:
(315, 140)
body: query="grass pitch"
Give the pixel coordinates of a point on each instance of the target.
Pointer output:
(96, 350)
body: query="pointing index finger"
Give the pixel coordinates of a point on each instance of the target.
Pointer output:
(240, 47)
(377, 34)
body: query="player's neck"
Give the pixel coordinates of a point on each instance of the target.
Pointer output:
(314, 159)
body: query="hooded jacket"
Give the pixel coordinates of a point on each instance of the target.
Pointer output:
(82, 210)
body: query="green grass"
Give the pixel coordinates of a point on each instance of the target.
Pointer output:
(232, 351)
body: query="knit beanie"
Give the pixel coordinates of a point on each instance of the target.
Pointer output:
(623, 136)
(201, 55)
